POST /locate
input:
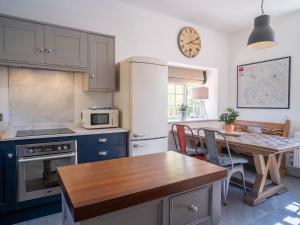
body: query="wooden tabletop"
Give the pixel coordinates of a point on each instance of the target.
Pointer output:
(94, 189)
(265, 144)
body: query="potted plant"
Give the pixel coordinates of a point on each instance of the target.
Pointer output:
(229, 117)
(182, 111)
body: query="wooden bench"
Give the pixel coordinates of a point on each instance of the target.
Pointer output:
(280, 129)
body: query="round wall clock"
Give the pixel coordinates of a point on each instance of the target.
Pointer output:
(189, 42)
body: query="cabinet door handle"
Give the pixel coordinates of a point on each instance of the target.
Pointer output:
(138, 146)
(102, 140)
(41, 50)
(139, 135)
(92, 76)
(49, 50)
(102, 153)
(10, 155)
(193, 208)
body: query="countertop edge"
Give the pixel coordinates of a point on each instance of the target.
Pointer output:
(10, 136)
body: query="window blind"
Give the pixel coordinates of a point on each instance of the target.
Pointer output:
(186, 75)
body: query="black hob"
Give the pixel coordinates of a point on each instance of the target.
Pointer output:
(25, 133)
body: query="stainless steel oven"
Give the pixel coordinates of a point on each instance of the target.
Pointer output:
(37, 167)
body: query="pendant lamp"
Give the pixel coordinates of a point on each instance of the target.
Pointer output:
(262, 36)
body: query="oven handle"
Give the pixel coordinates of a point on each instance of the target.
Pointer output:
(46, 157)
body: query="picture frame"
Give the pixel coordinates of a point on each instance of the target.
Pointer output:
(264, 84)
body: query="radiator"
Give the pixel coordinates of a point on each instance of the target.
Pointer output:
(296, 155)
(293, 161)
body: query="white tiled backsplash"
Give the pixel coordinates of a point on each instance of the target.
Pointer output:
(44, 98)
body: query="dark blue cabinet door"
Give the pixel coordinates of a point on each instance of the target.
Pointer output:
(91, 148)
(8, 177)
(2, 195)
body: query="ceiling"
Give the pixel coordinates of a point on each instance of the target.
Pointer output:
(227, 16)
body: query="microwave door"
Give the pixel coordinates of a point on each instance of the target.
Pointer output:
(100, 119)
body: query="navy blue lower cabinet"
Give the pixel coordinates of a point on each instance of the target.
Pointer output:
(91, 148)
(8, 177)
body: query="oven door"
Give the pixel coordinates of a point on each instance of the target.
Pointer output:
(38, 176)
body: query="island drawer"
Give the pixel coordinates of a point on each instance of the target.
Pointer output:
(191, 208)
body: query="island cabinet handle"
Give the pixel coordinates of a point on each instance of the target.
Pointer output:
(193, 208)
(102, 140)
(102, 153)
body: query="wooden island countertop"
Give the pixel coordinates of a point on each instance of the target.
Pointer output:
(98, 188)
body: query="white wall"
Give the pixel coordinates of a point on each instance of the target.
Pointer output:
(288, 36)
(137, 31)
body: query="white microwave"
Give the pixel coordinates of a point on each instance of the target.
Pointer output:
(100, 118)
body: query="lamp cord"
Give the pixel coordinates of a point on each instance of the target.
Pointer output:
(262, 7)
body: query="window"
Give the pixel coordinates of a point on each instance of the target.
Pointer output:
(178, 94)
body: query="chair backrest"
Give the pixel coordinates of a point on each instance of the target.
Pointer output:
(280, 129)
(212, 154)
(181, 135)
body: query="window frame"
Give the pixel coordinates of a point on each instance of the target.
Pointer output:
(185, 94)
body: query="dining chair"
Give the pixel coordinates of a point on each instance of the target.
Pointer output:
(234, 164)
(186, 144)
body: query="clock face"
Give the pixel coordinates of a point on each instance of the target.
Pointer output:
(189, 42)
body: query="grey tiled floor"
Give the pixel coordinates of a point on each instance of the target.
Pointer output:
(283, 209)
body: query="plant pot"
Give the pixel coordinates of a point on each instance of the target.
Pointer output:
(182, 115)
(229, 128)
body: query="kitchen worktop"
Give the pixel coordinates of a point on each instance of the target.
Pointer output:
(94, 189)
(10, 135)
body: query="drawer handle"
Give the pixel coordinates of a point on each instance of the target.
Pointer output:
(102, 153)
(193, 208)
(138, 146)
(102, 140)
(139, 135)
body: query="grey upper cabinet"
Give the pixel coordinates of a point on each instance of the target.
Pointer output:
(65, 47)
(43, 46)
(21, 41)
(33, 44)
(101, 74)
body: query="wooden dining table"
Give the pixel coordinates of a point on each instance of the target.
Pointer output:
(267, 151)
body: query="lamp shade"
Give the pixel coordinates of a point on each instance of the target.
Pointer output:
(262, 35)
(200, 93)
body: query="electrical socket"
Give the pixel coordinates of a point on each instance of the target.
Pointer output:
(1, 117)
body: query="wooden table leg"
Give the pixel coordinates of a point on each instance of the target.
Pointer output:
(275, 169)
(260, 192)
(262, 172)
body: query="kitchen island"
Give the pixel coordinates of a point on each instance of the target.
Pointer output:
(156, 189)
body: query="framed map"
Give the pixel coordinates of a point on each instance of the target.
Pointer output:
(264, 85)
